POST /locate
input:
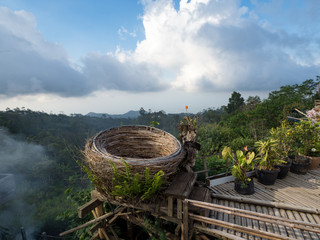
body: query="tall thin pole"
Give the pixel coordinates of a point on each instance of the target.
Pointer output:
(23, 233)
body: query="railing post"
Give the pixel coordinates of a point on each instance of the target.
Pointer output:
(204, 160)
(185, 221)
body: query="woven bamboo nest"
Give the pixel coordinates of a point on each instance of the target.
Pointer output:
(138, 146)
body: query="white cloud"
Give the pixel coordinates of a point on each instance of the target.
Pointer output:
(31, 65)
(221, 45)
(203, 45)
(106, 71)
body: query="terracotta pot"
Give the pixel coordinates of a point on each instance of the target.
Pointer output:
(315, 162)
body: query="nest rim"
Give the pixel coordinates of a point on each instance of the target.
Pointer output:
(135, 160)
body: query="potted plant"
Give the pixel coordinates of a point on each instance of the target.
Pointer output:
(283, 147)
(305, 144)
(242, 164)
(267, 161)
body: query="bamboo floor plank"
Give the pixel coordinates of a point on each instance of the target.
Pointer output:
(316, 219)
(220, 216)
(237, 219)
(297, 232)
(255, 223)
(289, 231)
(225, 215)
(297, 216)
(262, 225)
(300, 190)
(246, 222)
(232, 217)
(297, 190)
(275, 226)
(309, 218)
(282, 229)
(213, 214)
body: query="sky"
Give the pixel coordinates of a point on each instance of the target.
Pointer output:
(112, 56)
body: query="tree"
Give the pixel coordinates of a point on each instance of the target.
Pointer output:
(235, 102)
(142, 111)
(252, 102)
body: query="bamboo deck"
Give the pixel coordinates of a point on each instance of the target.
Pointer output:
(300, 191)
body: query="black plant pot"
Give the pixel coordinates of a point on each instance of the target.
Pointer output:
(243, 187)
(284, 169)
(267, 177)
(300, 165)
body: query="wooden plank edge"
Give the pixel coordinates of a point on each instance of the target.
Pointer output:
(267, 203)
(216, 233)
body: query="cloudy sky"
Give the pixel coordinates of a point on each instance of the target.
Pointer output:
(113, 56)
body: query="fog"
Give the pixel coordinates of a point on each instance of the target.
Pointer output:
(21, 159)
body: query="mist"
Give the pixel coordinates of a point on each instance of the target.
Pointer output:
(23, 160)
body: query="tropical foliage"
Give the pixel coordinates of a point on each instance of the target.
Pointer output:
(240, 123)
(242, 163)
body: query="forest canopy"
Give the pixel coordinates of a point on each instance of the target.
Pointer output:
(61, 139)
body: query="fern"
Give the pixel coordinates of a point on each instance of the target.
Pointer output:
(129, 186)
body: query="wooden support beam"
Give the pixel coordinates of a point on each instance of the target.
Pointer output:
(88, 207)
(266, 203)
(239, 228)
(257, 216)
(99, 211)
(185, 225)
(95, 236)
(177, 229)
(179, 208)
(216, 233)
(170, 206)
(110, 214)
(95, 227)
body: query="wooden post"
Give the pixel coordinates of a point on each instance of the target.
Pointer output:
(23, 233)
(185, 225)
(205, 167)
(99, 212)
(170, 206)
(179, 208)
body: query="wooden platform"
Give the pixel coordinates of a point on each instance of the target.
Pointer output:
(302, 192)
(298, 190)
(290, 209)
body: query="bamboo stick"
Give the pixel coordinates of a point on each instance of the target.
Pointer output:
(255, 215)
(216, 233)
(90, 222)
(185, 225)
(268, 203)
(248, 230)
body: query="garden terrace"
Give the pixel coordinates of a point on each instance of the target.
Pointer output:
(294, 198)
(286, 210)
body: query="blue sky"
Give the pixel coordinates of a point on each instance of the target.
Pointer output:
(117, 55)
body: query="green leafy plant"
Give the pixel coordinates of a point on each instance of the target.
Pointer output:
(127, 185)
(242, 163)
(154, 123)
(305, 138)
(284, 136)
(268, 157)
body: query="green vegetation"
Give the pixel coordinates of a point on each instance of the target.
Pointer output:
(242, 164)
(42, 184)
(131, 186)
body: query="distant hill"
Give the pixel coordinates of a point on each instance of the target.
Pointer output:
(131, 114)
